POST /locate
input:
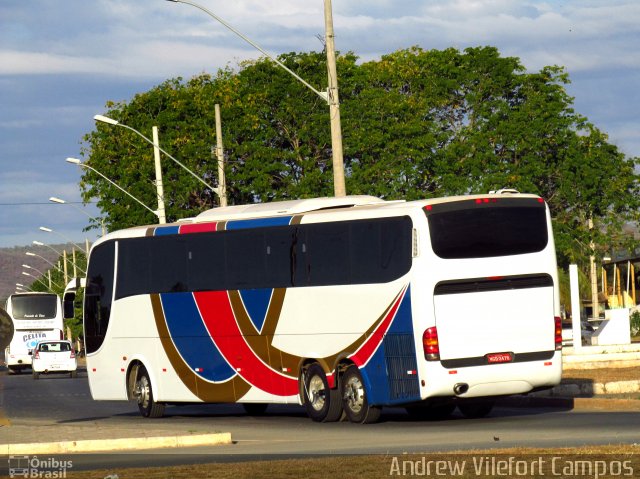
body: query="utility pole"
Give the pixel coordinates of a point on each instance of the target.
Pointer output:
(64, 261)
(73, 260)
(222, 182)
(339, 187)
(595, 306)
(162, 217)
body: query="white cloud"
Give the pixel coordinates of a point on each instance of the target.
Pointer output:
(61, 61)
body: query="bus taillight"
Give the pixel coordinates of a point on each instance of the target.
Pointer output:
(558, 333)
(430, 344)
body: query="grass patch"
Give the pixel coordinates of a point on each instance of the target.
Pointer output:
(602, 375)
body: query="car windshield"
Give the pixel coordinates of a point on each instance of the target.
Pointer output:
(55, 347)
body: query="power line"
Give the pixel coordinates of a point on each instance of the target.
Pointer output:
(46, 203)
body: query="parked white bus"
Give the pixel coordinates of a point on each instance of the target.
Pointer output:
(35, 316)
(341, 304)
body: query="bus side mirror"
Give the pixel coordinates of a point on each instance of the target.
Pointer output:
(68, 306)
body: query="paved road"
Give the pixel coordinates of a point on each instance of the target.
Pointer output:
(56, 405)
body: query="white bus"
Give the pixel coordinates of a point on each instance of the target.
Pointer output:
(344, 305)
(35, 316)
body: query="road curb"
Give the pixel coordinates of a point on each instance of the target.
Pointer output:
(590, 389)
(128, 444)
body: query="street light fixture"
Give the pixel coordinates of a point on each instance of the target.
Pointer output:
(49, 230)
(26, 288)
(37, 279)
(76, 161)
(29, 253)
(41, 274)
(111, 121)
(39, 243)
(60, 201)
(331, 96)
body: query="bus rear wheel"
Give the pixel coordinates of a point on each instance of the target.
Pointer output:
(476, 408)
(321, 402)
(433, 412)
(354, 398)
(144, 394)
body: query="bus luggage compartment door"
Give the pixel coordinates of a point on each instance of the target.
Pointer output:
(479, 320)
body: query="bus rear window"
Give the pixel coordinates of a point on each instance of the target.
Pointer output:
(34, 306)
(502, 227)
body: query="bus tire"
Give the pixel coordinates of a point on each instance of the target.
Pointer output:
(321, 402)
(354, 398)
(144, 394)
(476, 408)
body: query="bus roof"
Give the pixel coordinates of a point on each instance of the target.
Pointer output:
(284, 208)
(310, 205)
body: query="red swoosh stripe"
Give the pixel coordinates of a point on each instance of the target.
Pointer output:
(220, 321)
(364, 353)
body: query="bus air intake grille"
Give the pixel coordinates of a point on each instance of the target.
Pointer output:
(400, 357)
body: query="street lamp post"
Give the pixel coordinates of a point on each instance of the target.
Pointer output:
(76, 161)
(38, 279)
(331, 97)
(60, 201)
(49, 230)
(29, 253)
(162, 214)
(111, 121)
(42, 274)
(63, 254)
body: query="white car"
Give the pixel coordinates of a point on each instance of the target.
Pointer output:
(54, 356)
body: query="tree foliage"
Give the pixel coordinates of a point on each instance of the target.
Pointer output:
(415, 124)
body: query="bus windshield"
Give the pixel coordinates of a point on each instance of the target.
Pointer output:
(502, 227)
(34, 306)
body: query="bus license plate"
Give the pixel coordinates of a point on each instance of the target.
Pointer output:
(495, 358)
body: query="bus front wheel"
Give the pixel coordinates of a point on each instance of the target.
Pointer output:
(321, 402)
(144, 394)
(354, 398)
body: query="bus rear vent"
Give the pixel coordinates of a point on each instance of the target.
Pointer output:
(400, 357)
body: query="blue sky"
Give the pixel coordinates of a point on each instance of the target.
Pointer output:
(61, 61)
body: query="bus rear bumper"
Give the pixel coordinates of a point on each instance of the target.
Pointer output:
(493, 380)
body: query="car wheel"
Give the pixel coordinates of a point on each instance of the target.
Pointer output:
(321, 402)
(144, 393)
(354, 398)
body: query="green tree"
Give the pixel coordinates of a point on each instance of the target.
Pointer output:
(415, 123)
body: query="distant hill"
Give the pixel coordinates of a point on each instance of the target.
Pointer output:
(12, 259)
